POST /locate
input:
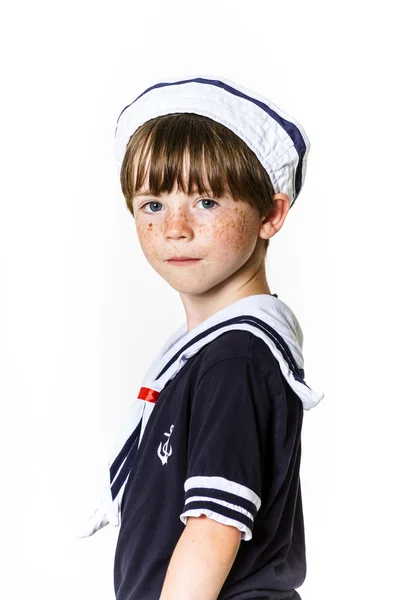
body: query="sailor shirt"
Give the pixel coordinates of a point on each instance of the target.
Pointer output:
(223, 440)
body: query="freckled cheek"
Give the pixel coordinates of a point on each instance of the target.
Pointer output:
(234, 234)
(147, 234)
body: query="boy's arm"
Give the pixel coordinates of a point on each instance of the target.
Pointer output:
(201, 561)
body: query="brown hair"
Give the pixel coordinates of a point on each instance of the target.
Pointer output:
(230, 165)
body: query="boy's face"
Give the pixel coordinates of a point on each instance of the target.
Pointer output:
(223, 234)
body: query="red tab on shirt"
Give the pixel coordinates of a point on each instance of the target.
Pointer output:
(148, 394)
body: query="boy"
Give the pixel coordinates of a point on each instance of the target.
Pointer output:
(204, 478)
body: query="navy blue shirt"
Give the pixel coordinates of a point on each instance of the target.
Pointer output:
(224, 439)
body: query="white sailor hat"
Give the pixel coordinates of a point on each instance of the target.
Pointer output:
(278, 140)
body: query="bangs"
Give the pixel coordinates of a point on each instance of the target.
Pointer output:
(196, 154)
(176, 153)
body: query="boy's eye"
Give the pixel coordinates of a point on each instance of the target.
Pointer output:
(154, 204)
(208, 200)
(151, 204)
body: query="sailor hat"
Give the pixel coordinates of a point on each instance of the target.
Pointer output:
(277, 139)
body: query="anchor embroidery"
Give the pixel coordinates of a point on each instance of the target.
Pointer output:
(167, 451)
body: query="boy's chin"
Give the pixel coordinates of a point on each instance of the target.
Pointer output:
(195, 287)
(190, 288)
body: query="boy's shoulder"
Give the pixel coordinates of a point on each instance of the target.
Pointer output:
(237, 344)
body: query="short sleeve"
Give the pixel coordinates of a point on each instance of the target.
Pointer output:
(227, 444)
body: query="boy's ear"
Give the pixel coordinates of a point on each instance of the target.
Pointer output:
(271, 224)
(283, 196)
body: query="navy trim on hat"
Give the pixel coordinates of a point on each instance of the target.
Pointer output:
(290, 128)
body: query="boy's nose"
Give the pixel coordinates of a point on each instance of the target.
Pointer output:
(178, 226)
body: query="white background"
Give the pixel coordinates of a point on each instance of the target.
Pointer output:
(82, 313)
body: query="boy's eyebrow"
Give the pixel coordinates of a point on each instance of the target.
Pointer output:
(195, 191)
(143, 194)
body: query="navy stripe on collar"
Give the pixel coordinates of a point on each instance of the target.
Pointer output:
(126, 457)
(251, 320)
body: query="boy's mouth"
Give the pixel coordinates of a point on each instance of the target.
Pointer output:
(182, 260)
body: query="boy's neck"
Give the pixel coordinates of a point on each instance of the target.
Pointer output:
(199, 307)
